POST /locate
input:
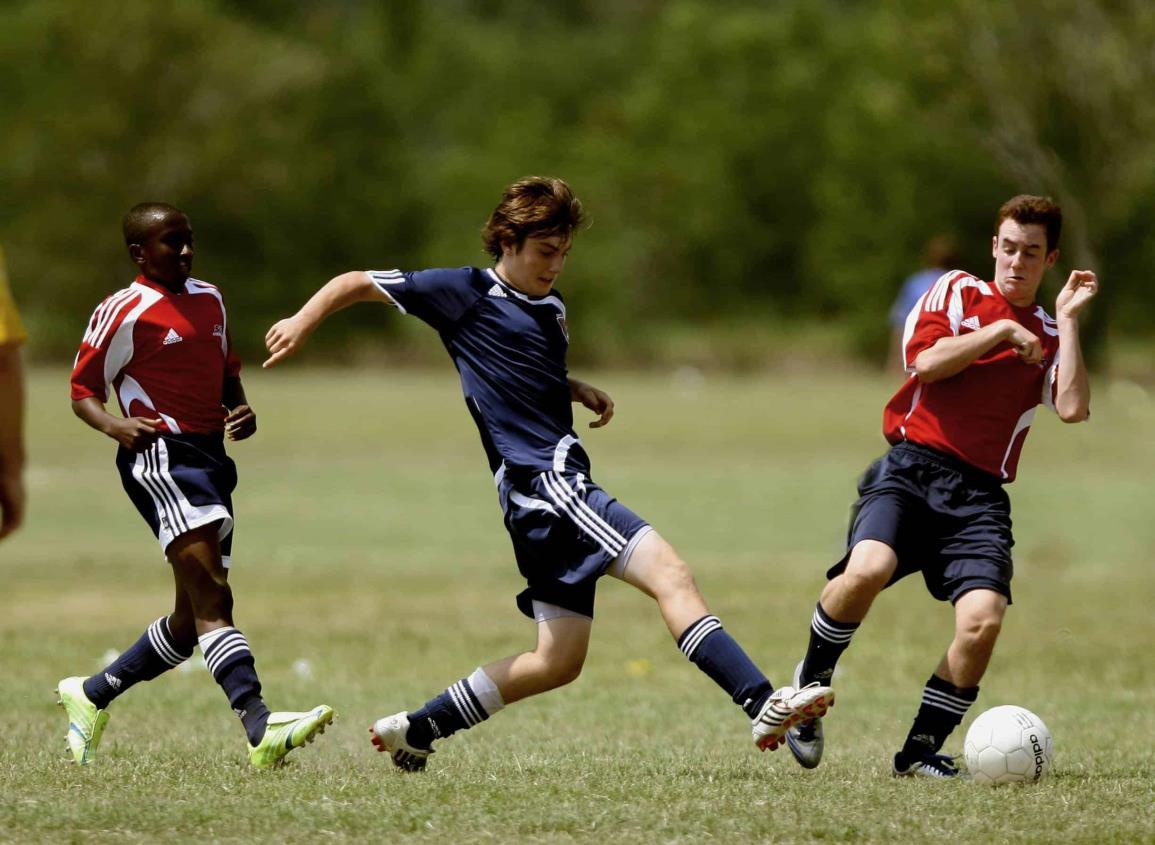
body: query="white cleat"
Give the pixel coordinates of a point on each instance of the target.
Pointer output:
(388, 735)
(785, 708)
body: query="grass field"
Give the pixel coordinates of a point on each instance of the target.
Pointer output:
(371, 570)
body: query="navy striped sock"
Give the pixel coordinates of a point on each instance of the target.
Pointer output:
(467, 703)
(828, 639)
(716, 653)
(149, 657)
(232, 665)
(943, 707)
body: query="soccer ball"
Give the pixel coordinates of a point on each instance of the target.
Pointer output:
(1008, 744)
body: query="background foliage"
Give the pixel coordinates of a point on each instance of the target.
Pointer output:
(750, 167)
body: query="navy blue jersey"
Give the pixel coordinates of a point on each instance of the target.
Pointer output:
(509, 349)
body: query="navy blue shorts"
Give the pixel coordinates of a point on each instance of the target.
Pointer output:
(566, 533)
(183, 481)
(943, 518)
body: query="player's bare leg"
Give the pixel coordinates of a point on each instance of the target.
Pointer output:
(848, 596)
(203, 579)
(557, 659)
(978, 621)
(844, 603)
(953, 687)
(657, 570)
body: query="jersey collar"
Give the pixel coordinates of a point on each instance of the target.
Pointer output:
(158, 287)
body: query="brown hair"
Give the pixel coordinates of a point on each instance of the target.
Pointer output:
(536, 206)
(1026, 209)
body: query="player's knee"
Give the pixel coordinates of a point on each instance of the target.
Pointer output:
(560, 668)
(981, 630)
(212, 599)
(672, 575)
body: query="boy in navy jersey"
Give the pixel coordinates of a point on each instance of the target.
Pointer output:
(162, 343)
(505, 328)
(981, 356)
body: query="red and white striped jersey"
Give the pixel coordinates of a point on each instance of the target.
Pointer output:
(165, 354)
(980, 415)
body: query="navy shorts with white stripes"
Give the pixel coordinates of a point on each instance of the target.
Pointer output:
(566, 532)
(183, 481)
(943, 518)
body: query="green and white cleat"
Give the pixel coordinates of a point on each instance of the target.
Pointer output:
(85, 722)
(286, 731)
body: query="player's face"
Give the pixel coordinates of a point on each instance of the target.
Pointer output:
(1021, 259)
(533, 268)
(166, 254)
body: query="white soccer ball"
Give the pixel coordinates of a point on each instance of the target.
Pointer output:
(1008, 744)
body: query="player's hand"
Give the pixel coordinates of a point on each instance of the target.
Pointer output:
(596, 400)
(1080, 289)
(11, 502)
(1026, 343)
(240, 423)
(136, 433)
(285, 338)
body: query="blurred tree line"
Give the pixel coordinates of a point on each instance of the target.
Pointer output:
(749, 167)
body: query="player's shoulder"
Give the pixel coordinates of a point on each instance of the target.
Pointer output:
(955, 283)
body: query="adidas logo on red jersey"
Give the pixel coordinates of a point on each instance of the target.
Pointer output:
(171, 338)
(971, 323)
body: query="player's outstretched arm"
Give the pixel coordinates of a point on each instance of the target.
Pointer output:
(241, 421)
(11, 440)
(951, 355)
(1073, 390)
(286, 337)
(596, 400)
(135, 433)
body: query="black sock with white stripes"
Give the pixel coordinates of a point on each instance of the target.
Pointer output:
(716, 653)
(828, 639)
(467, 703)
(943, 707)
(231, 662)
(149, 657)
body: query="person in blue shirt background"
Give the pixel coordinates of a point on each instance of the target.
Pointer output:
(938, 255)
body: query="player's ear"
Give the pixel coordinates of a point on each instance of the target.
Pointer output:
(1052, 257)
(136, 253)
(995, 246)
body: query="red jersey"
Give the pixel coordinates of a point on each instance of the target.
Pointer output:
(980, 415)
(165, 354)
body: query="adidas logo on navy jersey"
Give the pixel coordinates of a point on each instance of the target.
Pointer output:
(171, 337)
(971, 323)
(497, 291)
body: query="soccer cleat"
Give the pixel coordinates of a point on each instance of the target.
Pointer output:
(389, 736)
(286, 731)
(785, 708)
(805, 739)
(930, 766)
(85, 722)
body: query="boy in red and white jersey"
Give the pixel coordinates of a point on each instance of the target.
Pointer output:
(981, 357)
(163, 345)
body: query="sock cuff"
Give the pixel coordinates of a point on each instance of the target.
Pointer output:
(467, 704)
(223, 648)
(946, 696)
(694, 635)
(162, 642)
(486, 691)
(831, 629)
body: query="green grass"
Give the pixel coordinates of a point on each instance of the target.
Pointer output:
(370, 545)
